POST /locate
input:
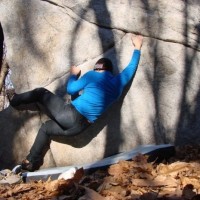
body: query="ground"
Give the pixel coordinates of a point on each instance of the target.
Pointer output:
(175, 179)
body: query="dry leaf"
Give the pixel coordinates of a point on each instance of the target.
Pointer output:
(190, 181)
(91, 195)
(173, 169)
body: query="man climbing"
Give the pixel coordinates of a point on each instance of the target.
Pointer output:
(100, 88)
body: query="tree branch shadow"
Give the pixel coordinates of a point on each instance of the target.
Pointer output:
(188, 125)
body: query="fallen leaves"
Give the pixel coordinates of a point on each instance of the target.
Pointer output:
(176, 179)
(42, 190)
(143, 180)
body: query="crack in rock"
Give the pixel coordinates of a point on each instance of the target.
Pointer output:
(114, 28)
(53, 3)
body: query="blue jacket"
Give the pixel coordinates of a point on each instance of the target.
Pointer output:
(100, 90)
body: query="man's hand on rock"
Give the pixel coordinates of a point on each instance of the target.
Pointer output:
(137, 41)
(75, 71)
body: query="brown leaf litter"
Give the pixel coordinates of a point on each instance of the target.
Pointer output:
(175, 179)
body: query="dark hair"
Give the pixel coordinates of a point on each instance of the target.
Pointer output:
(104, 64)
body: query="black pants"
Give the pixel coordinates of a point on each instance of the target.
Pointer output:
(65, 120)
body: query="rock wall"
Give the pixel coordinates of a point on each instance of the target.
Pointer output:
(161, 105)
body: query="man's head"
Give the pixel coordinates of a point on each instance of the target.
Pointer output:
(103, 64)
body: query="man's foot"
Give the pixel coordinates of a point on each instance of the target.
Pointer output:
(29, 166)
(13, 97)
(10, 94)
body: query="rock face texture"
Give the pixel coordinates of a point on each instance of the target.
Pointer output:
(161, 105)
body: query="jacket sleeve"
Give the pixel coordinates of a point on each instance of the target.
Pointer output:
(75, 85)
(125, 76)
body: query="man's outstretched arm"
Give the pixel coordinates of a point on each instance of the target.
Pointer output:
(125, 76)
